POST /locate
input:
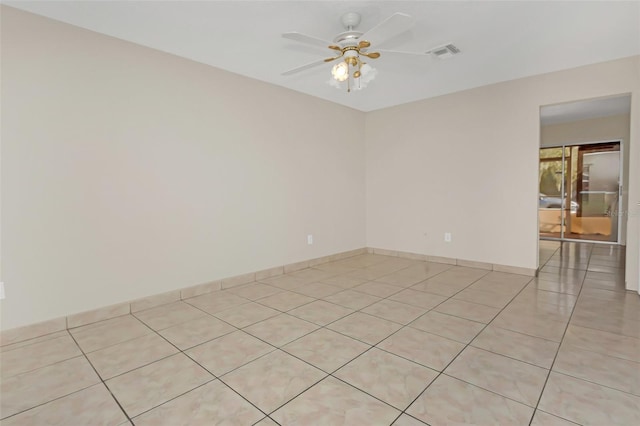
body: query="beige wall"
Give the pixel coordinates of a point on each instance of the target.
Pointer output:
(612, 128)
(467, 163)
(129, 172)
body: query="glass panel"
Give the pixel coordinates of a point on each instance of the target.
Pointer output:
(550, 190)
(597, 193)
(581, 200)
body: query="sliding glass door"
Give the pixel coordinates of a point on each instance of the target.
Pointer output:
(579, 195)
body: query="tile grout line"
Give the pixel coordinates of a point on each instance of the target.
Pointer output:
(327, 374)
(440, 373)
(180, 351)
(544, 386)
(102, 380)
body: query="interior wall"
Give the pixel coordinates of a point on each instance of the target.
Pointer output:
(128, 172)
(602, 129)
(467, 163)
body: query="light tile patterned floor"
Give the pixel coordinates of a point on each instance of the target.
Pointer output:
(369, 340)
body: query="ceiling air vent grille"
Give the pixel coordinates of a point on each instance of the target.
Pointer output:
(445, 51)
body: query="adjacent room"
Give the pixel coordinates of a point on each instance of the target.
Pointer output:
(320, 213)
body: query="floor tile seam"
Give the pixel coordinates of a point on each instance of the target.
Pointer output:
(202, 309)
(604, 354)
(26, 345)
(248, 302)
(118, 343)
(606, 331)
(219, 376)
(253, 323)
(557, 292)
(295, 307)
(556, 415)
(492, 391)
(592, 381)
(177, 323)
(466, 346)
(482, 304)
(434, 275)
(267, 417)
(413, 289)
(206, 312)
(544, 386)
(331, 322)
(412, 360)
(104, 382)
(547, 316)
(334, 370)
(596, 383)
(207, 341)
(146, 364)
(284, 344)
(437, 334)
(525, 334)
(433, 309)
(55, 399)
(295, 396)
(49, 364)
(359, 340)
(5, 378)
(291, 341)
(315, 297)
(400, 289)
(363, 391)
(173, 398)
(613, 315)
(23, 343)
(179, 351)
(402, 285)
(508, 356)
(94, 324)
(388, 352)
(394, 321)
(436, 306)
(356, 310)
(614, 293)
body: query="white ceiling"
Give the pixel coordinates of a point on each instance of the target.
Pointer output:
(499, 40)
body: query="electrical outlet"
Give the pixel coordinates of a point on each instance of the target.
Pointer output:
(447, 237)
(1, 291)
(309, 239)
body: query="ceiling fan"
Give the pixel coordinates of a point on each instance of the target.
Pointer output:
(354, 46)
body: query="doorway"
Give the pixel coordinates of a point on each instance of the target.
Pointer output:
(580, 192)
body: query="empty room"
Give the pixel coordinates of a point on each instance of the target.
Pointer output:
(320, 213)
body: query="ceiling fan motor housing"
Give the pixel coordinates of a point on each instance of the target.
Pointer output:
(349, 20)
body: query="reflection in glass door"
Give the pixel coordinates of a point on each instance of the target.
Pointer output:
(579, 195)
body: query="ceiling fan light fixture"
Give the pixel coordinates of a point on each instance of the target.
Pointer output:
(340, 72)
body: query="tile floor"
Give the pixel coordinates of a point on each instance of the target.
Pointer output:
(370, 340)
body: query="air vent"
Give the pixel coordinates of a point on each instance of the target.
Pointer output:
(445, 51)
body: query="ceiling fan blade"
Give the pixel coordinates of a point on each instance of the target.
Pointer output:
(372, 55)
(390, 27)
(307, 39)
(306, 66)
(363, 44)
(400, 52)
(333, 58)
(334, 47)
